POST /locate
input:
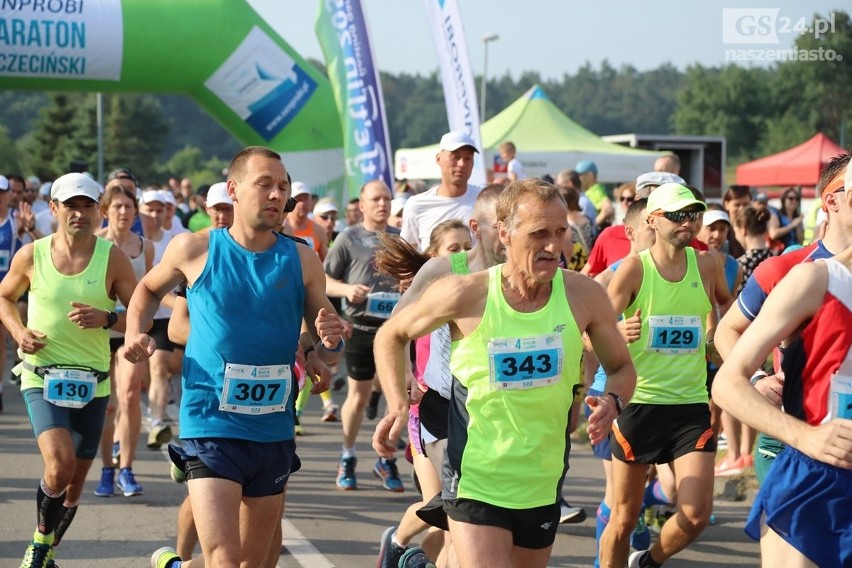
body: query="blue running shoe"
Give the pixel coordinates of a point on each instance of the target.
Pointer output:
(346, 474)
(165, 557)
(387, 472)
(127, 483)
(106, 487)
(389, 552)
(415, 558)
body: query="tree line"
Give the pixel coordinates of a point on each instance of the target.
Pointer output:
(760, 110)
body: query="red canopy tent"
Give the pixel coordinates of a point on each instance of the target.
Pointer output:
(797, 166)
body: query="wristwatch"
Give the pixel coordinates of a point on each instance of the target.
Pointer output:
(619, 402)
(112, 318)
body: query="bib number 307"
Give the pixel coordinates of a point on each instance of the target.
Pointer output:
(251, 389)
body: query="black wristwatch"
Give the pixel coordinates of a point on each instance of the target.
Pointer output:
(619, 402)
(112, 318)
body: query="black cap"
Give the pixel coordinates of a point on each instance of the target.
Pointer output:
(121, 173)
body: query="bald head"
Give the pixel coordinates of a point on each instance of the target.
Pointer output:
(669, 163)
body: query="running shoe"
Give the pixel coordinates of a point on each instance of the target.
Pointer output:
(373, 406)
(164, 557)
(159, 435)
(640, 538)
(346, 474)
(36, 555)
(50, 562)
(299, 429)
(726, 468)
(116, 453)
(106, 488)
(387, 472)
(338, 383)
(177, 474)
(127, 483)
(389, 552)
(329, 413)
(569, 514)
(415, 558)
(634, 558)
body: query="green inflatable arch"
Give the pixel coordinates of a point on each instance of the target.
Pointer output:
(219, 52)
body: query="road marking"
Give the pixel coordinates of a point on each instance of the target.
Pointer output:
(301, 549)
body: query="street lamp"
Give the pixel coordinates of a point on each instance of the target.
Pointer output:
(485, 39)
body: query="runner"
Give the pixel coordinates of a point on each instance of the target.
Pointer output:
(73, 279)
(803, 513)
(370, 298)
(501, 511)
(669, 287)
(237, 430)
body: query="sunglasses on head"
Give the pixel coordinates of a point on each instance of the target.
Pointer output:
(681, 216)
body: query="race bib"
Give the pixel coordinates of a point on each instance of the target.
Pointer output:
(674, 335)
(381, 304)
(5, 257)
(525, 362)
(250, 389)
(69, 388)
(840, 397)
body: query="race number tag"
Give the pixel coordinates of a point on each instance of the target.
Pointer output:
(250, 389)
(525, 362)
(69, 388)
(840, 397)
(674, 335)
(4, 260)
(381, 304)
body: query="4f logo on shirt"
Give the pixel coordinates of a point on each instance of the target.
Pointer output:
(559, 328)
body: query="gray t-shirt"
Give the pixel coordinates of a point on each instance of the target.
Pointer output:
(350, 260)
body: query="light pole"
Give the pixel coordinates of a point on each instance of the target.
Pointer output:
(485, 40)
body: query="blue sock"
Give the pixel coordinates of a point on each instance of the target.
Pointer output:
(601, 521)
(654, 495)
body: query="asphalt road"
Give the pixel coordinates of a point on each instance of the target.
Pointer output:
(322, 526)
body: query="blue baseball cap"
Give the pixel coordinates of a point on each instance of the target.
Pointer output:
(586, 166)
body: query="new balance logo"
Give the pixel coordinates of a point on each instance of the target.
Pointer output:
(559, 328)
(546, 526)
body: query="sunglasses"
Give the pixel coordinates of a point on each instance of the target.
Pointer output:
(681, 216)
(792, 198)
(327, 216)
(628, 198)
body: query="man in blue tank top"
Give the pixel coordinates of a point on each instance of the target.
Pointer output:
(248, 290)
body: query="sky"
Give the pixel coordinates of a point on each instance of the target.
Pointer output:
(554, 37)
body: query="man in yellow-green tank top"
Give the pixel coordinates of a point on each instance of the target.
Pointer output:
(517, 339)
(73, 279)
(664, 293)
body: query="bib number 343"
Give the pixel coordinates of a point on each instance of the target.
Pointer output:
(525, 362)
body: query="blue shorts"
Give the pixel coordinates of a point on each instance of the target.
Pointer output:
(85, 424)
(260, 468)
(604, 448)
(809, 504)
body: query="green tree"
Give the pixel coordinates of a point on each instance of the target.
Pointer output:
(52, 144)
(8, 153)
(134, 134)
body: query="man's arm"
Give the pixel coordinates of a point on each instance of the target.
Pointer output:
(625, 283)
(12, 287)
(434, 269)
(724, 299)
(709, 272)
(786, 309)
(327, 331)
(606, 212)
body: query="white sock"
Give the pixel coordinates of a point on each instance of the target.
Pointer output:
(348, 452)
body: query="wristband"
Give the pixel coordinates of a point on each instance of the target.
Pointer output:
(619, 403)
(756, 377)
(337, 349)
(309, 350)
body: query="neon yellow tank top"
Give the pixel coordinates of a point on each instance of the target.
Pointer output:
(516, 372)
(669, 355)
(51, 294)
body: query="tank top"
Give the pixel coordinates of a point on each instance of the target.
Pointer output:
(437, 375)
(159, 249)
(307, 233)
(8, 243)
(138, 264)
(49, 303)
(508, 427)
(247, 310)
(669, 354)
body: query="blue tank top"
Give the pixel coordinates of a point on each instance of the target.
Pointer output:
(599, 383)
(731, 269)
(8, 243)
(246, 309)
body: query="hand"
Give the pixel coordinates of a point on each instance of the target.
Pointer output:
(631, 328)
(24, 217)
(357, 293)
(829, 443)
(329, 328)
(713, 354)
(138, 348)
(87, 317)
(347, 329)
(771, 387)
(318, 373)
(31, 341)
(603, 414)
(414, 392)
(388, 431)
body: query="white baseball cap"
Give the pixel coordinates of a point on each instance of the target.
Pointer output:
(324, 206)
(713, 215)
(454, 140)
(300, 188)
(152, 195)
(4, 183)
(74, 185)
(218, 195)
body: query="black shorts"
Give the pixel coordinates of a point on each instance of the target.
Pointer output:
(115, 343)
(434, 413)
(531, 528)
(660, 433)
(159, 332)
(360, 363)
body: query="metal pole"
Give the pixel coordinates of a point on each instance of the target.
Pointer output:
(482, 87)
(100, 120)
